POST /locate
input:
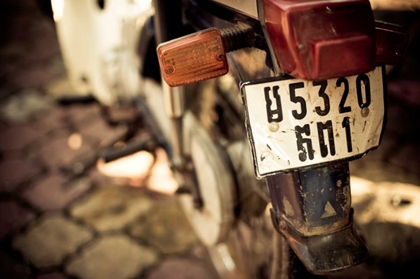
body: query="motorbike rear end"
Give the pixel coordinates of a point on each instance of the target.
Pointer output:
(302, 132)
(261, 105)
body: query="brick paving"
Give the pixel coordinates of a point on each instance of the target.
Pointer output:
(54, 193)
(111, 208)
(17, 138)
(127, 260)
(87, 226)
(49, 240)
(13, 216)
(62, 218)
(15, 172)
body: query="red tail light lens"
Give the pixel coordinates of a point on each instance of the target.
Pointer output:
(321, 39)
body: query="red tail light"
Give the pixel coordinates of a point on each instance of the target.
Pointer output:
(320, 39)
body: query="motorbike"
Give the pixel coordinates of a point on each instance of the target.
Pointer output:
(260, 106)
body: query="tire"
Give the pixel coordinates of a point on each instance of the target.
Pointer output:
(253, 249)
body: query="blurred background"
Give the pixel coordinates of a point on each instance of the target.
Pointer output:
(66, 214)
(63, 214)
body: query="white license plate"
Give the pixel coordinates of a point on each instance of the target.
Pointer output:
(294, 123)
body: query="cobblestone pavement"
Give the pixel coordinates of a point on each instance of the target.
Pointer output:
(59, 216)
(62, 218)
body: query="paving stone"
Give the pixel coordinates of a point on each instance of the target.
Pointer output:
(112, 257)
(405, 90)
(380, 171)
(180, 268)
(408, 157)
(122, 113)
(112, 208)
(402, 121)
(59, 153)
(5, 87)
(54, 275)
(12, 269)
(56, 68)
(6, 66)
(17, 137)
(10, 54)
(385, 149)
(166, 228)
(82, 114)
(34, 75)
(3, 122)
(61, 87)
(101, 132)
(42, 48)
(25, 105)
(12, 217)
(52, 121)
(50, 240)
(97, 178)
(55, 192)
(25, 20)
(15, 172)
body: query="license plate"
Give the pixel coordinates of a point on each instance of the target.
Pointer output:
(294, 123)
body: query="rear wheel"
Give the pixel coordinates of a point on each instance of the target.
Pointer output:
(246, 246)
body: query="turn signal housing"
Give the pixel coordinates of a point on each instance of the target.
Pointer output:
(321, 39)
(193, 58)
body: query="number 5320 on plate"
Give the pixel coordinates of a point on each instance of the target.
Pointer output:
(295, 123)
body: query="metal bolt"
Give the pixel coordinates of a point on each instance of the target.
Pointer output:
(273, 126)
(365, 112)
(283, 226)
(169, 70)
(302, 156)
(220, 57)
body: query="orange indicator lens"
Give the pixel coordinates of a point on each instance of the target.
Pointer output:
(193, 58)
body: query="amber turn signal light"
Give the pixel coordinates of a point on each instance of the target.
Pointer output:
(193, 58)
